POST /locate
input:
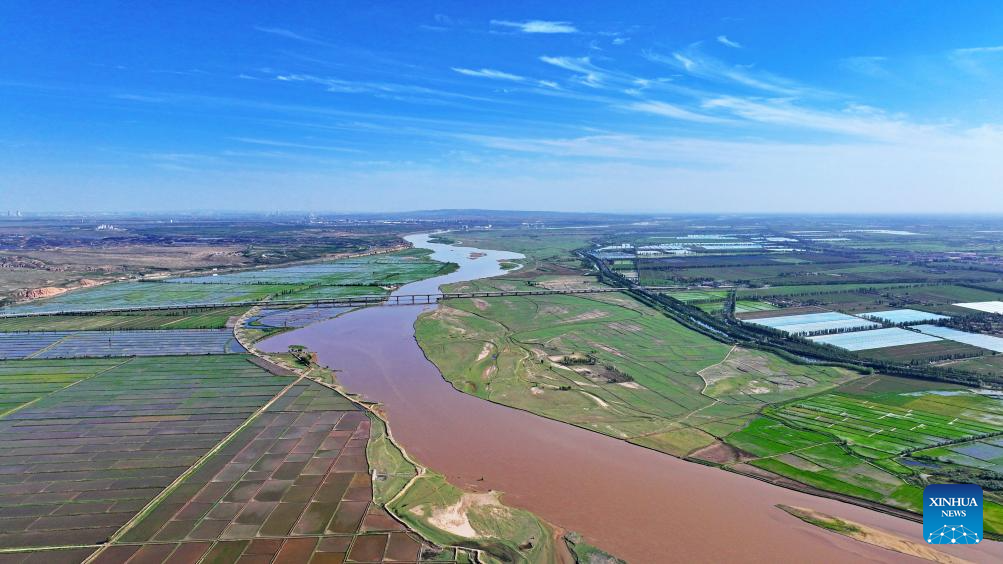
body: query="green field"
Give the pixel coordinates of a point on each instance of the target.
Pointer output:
(876, 429)
(697, 296)
(861, 442)
(749, 306)
(175, 319)
(24, 381)
(989, 365)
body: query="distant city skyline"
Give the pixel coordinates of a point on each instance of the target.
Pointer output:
(660, 107)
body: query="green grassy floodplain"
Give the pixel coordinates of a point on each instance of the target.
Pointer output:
(682, 390)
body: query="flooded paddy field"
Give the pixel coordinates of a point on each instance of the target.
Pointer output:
(276, 318)
(293, 485)
(81, 461)
(215, 318)
(99, 344)
(149, 294)
(130, 464)
(622, 497)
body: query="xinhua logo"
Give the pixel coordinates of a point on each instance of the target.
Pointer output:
(952, 514)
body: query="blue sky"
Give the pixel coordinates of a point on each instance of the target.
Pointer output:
(356, 106)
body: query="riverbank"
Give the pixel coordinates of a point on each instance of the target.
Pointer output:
(622, 498)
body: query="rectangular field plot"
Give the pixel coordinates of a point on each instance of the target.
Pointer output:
(177, 319)
(986, 454)
(293, 317)
(874, 339)
(988, 307)
(81, 461)
(296, 475)
(23, 345)
(896, 316)
(25, 381)
(693, 296)
(377, 270)
(150, 294)
(923, 352)
(809, 323)
(96, 344)
(812, 458)
(866, 424)
(974, 339)
(748, 306)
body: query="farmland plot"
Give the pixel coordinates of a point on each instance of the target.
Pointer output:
(974, 339)
(292, 485)
(857, 445)
(989, 307)
(881, 427)
(897, 316)
(377, 270)
(149, 294)
(88, 457)
(293, 317)
(809, 323)
(96, 344)
(215, 318)
(874, 339)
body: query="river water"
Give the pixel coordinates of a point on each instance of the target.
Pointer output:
(641, 505)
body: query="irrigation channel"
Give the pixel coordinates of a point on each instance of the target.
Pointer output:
(639, 504)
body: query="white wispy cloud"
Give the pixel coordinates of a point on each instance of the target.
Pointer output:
(577, 64)
(699, 65)
(293, 145)
(867, 65)
(588, 74)
(854, 120)
(742, 176)
(685, 61)
(289, 34)
(723, 40)
(537, 26)
(974, 59)
(140, 98)
(979, 50)
(674, 112)
(392, 90)
(490, 73)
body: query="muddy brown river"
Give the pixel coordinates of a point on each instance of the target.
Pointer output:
(638, 504)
